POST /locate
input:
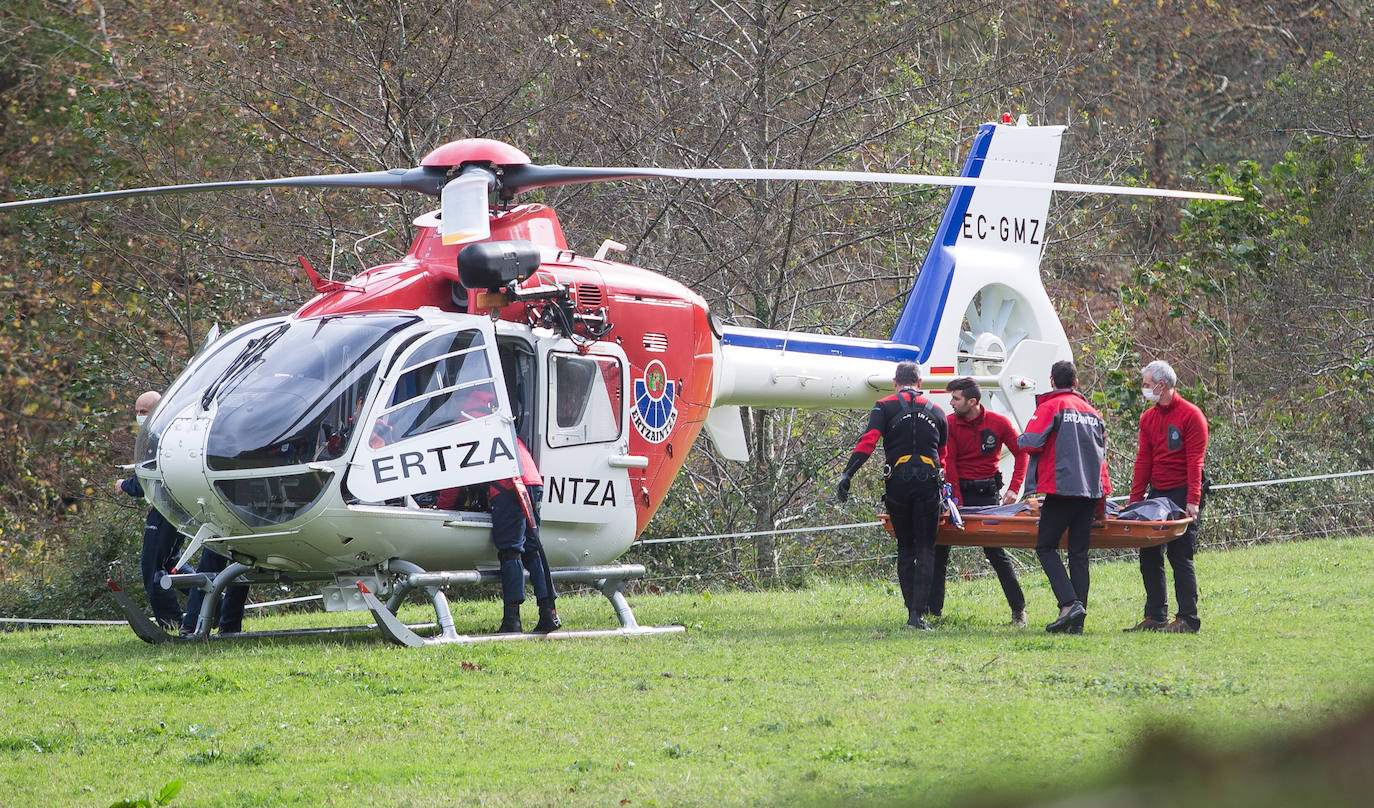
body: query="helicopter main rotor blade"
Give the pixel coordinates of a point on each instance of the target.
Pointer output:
(530, 176)
(428, 180)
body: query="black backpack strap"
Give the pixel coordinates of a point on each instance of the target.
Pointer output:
(919, 467)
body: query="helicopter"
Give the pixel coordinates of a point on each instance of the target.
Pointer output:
(315, 447)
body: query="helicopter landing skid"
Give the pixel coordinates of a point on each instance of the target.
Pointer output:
(609, 580)
(144, 626)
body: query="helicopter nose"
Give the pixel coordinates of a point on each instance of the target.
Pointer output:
(181, 459)
(238, 500)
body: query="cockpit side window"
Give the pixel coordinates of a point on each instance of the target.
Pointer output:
(585, 399)
(446, 381)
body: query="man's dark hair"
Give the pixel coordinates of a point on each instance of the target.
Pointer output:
(1063, 374)
(907, 373)
(967, 387)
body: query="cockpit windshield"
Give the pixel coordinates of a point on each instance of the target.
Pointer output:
(198, 378)
(293, 394)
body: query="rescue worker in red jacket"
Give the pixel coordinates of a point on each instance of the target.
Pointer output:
(514, 528)
(914, 435)
(976, 438)
(1168, 463)
(515, 532)
(1067, 442)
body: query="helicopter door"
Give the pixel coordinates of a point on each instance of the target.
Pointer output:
(441, 419)
(582, 453)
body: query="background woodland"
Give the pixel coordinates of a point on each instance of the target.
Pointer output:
(1263, 306)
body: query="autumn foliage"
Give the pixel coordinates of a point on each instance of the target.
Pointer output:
(103, 300)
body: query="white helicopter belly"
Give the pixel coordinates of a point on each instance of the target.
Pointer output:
(358, 537)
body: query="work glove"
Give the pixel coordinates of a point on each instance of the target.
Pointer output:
(842, 490)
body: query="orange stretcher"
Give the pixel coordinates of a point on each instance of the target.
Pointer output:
(1020, 531)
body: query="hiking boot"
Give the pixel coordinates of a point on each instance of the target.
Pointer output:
(1070, 620)
(1148, 624)
(1180, 626)
(548, 620)
(510, 620)
(1018, 619)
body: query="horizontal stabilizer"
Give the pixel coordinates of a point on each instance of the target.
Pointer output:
(725, 427)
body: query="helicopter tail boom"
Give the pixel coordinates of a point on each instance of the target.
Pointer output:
(976, 298)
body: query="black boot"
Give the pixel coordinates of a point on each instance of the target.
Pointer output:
(915, 620)
(1070, 620)
(548, 617)
(510, 620)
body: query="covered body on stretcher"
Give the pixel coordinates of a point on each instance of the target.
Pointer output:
(1017, 526)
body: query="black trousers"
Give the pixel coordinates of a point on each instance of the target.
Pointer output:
(1056, 515)
(518, 548)
(915, 514)
(231, 604)
(161, 549)
(1180, 552)
(997, 557)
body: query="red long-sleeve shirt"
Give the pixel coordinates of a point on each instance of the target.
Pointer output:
(1173, 444)
(975, 449)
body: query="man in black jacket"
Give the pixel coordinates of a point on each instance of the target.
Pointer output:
(161, 541)
(914, 435)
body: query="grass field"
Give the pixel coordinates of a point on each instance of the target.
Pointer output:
(776, 698)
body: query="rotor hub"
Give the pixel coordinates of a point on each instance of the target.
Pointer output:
(987, 347)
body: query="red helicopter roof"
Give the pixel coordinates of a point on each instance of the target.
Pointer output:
(475, 150)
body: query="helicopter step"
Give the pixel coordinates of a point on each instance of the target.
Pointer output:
(402, 579)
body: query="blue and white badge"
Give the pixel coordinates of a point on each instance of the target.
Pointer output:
(655, 411)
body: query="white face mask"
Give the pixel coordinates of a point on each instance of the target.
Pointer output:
(1150, 395)
(140, 419)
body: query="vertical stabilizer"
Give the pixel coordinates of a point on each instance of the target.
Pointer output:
(978, 307)
(987, 235)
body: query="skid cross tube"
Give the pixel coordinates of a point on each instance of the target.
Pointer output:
(608, 579)
(443, 615)
(209, 605)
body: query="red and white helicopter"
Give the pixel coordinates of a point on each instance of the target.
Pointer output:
(308, 447)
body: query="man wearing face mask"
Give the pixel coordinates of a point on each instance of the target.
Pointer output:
(1173, 444)
(161, 541)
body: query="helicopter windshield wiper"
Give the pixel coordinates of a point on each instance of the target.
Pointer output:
(252, 352)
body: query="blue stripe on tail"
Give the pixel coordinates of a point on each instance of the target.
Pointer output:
(921, 316)
(818, 344)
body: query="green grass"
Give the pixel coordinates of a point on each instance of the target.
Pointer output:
(777, 698)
